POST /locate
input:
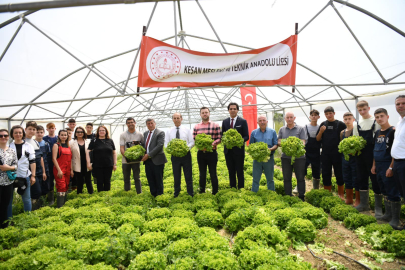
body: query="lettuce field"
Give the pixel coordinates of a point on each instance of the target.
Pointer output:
(235, 229)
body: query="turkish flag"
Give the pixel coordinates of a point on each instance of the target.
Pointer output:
(248, 96)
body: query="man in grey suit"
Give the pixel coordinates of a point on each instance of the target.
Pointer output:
(155, 158)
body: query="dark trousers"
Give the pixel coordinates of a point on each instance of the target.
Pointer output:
(126, 171)
(51, 178)
(298, 168)
(6, 193)
(315, 162)
(82, 178)
(36, 188)
(349, 173)
(399, 175)
(185, 162)
(103, 175)
(330, 159)
(364, 164)
(154, 174)
(387, 185)
(209, 159)
(235, 164)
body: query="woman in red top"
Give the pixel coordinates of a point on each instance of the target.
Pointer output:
(62, 159)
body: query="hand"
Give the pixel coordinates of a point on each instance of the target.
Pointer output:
(323, 128)
(32, 180)
(44, 176)
(145, 157)
(373, 170)
(389, 173)
(89, 167)
(60, 174)
(114, 167)
(5, 168)
(72, 173)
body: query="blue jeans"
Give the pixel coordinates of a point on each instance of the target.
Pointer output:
(399, 175)
(388, 186)
(268, 168)
(26, 198)
(349, 173)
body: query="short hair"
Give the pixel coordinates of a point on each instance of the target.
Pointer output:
(233, 103)
(31, 124)
(362, 103)
(179, 114)
(400, 96)
(17, 127)
(314, 112)
(68, 129)
(71, 120)
(347, 114)
(84, 133)
(59, 140)
(329, 109)
(106, 132)
(89, 124)
(4, 130)
(204, 108)
(50, 125)
(39, 127)
(150, 119)
(381, 110)
(129, 119)
(262, 115)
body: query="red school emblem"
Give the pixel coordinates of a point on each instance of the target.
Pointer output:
(164, 64)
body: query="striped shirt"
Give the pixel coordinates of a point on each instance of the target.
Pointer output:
(210, 128)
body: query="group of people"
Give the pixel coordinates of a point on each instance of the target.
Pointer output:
(76, 153)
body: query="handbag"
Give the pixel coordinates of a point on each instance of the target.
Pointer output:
(21, 184)
(12, 175)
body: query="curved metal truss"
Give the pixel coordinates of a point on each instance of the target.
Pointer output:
(162, 103)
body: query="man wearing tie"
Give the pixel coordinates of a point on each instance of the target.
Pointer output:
(183, 133)
(155, 158)
(235, 157)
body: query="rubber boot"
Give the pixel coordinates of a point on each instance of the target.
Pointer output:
(378, 213)
(364, 204)
(66, 196)
(349, 196)
(388, 213)
(60, 199)
(315, 183)
(51, 198)
(341, 192)
(34, 204)
(328, 188)
(357, 202)
(396, 213)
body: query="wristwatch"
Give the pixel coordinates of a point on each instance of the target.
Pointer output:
(390, 168)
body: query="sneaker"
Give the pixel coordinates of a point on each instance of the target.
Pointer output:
(295, 191)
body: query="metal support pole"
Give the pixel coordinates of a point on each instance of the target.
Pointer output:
(342, 99)
(12, 39)
(77, 92)
(296, 33)
(145, 29)
(180, 19)
(175, 23)
(357, 112)
(284, 117)
(212, 27)
(22, 121)
(315, 16)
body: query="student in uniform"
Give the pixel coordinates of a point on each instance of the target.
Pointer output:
(382, 168)
(329, 133)
(40, 176)
(45, 149)
(51, 139)
(349, 166)
(366, 127)
(313, 149)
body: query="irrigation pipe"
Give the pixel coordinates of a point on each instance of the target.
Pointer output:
(231, 239)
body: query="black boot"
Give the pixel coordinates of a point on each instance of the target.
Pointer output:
(396, 213)
(51, 198)
(364, 204)
(388, 214)
(378, 206)
(60, 199)
(315, 183)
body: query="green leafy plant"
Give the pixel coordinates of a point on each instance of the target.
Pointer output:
(301, 230)
(315, 196)
(341, 211)
(177, 148)
(239, 219)
(330, 201)
(293, 147)
(232, 138)
(354, 220)
(352, 146)
(379, 257)
(151, 259)
(317, 216)
(209, 218)
(396, 243)
(134, 153)
(204, 142)
(259, 151)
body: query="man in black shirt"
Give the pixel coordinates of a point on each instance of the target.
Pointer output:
(382, 167)
(89, 131)
(329, 134)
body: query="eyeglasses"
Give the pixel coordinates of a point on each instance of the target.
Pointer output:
(3, 136)
(80, 132)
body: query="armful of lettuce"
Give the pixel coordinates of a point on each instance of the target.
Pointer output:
(352, 146)
(293, 147)
(135, 152)
(259, 151)
(204, 142)
(232, 138)
(177, 148)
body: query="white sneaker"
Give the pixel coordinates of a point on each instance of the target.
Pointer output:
(295, 190)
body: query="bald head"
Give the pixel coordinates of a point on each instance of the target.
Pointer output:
(262, 121)
(177, 118)
(289, 118)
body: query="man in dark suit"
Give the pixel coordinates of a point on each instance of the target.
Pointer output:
(235, 157)
(155, 158)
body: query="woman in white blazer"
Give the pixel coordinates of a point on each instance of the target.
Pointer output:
(79, 170)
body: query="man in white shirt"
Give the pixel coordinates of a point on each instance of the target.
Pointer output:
(183, 133)
(366, 127)
(398, 150)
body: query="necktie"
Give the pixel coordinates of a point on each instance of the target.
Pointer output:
(232, 123)
(178, 133)
(147, 141)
